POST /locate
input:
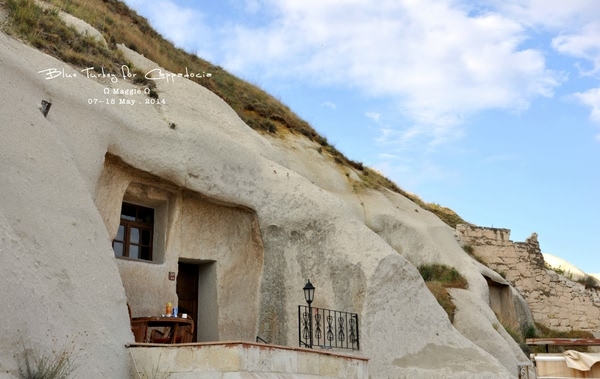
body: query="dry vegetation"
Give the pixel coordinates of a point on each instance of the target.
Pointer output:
(542, 331)
(57, 365)
(119, 24)
(521, 333)
(589, 282)
(438, 278)
(43, 29)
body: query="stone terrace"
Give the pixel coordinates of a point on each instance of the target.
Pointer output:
(232, 360)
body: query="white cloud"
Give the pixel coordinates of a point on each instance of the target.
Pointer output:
(576, 27)
(328, 104)
(252, 6)
(414, 173)
(433, 59)
(183, 26)
(438, 61)
(551, 14)
(387, 156)
(373, 116)
(591, 98)
(578, 37)
(418, 137)
(585, 44)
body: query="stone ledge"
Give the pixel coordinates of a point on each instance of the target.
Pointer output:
(246, 343)
(243, 360)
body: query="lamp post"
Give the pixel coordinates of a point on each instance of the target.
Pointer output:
(309, 295)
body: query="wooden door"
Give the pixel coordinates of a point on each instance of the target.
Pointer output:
(187, 292)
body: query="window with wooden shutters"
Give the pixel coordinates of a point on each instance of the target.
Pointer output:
(134, 237)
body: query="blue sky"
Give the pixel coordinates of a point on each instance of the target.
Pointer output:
(491, 108)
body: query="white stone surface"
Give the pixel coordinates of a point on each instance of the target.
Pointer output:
(570, 270)
(244, 360)
(358, 246)
(60, 286)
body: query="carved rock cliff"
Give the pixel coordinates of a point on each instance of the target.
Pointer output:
(298, 216)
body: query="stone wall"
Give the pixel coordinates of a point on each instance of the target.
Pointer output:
(241, 360)
(555, 300)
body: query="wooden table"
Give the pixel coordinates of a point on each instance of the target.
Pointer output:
(174, 329)
(562, 342)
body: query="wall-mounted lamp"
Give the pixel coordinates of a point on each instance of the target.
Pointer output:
(309, 296)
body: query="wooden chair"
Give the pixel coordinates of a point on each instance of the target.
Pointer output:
(162, 335)
(139, 330)
(183, 334)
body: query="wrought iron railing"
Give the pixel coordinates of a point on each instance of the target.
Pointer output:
(523, 369)
(330, 329)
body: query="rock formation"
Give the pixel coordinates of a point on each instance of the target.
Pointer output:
(555, 297)
(295, 215)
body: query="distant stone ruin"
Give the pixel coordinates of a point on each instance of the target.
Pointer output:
(556, 301)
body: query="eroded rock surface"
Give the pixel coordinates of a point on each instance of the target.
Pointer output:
(61, 281)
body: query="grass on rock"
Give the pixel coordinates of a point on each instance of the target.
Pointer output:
(43, 29)
(589, 282)
(58, 365)
(438, 278)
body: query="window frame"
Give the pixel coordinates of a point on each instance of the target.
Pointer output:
(128, 224)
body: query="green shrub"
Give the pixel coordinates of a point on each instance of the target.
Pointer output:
(559, 270)
(530, 331)
(449, 277)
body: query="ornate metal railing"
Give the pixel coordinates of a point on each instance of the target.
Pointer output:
(523, 369)
(330, 329)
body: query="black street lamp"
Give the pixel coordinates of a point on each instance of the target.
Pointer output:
(309, 295)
